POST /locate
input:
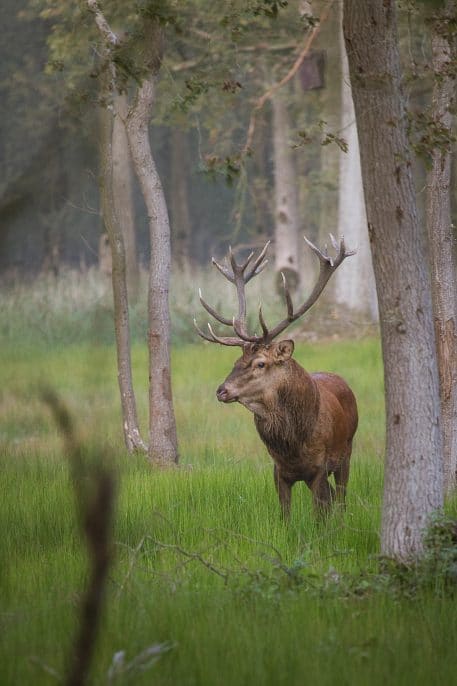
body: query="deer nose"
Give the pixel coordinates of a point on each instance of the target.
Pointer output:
(222, 392)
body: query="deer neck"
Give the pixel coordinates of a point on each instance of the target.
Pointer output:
(287, 421)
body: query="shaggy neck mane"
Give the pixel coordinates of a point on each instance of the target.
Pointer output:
(289, 421)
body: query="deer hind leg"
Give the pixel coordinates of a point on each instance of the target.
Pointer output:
(284, 491)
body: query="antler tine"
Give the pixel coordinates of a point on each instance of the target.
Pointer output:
(243, 335)
(201, 333)
(335, 243)
(262, 323)
(223, 270)
(259, 264)
(322, 255)
(246, 262)
(289, 303)
(233, 262)
(212, 312)
(225, 340)
(327, 267)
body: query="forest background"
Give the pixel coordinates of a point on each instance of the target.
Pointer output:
(204, 542)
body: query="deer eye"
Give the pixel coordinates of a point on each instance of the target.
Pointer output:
(261, 364)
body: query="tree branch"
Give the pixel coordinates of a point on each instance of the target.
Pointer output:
(290, 74)
(110, 38)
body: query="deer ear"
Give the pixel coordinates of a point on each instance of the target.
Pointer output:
(250, 349)
(284, 350)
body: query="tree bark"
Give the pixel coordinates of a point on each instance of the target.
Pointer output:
(286, 201)
(354, 283)
(132, 436)
(413, 487)
(123, 192)
(180, 213)
(441, 247)
(163, 443)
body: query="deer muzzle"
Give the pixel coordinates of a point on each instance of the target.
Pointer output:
(224, 396)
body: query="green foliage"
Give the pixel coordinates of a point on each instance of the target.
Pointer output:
(427, 135)
(319, 132)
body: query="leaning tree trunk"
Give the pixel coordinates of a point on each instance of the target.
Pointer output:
(413, 487)
(286, 201)
(132, 435)
(123, 192)
(441, 246)
(354, 286)
(163, 444)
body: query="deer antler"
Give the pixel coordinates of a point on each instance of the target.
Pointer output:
(327, 267)
(240, 277)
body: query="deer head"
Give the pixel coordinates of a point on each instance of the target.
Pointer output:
(264, 363)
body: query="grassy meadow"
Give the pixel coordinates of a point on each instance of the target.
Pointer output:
(205, 574)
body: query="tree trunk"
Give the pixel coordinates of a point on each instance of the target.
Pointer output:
(132, 436)
(286, 201)
(123, 192)
(441, 248)
(163, 444)
(179, 202)
(354, 283)
(413, 487)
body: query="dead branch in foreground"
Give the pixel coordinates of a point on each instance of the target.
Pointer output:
(95, 491)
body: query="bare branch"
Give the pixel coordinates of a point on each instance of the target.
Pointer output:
(310, 38)
(110, 38)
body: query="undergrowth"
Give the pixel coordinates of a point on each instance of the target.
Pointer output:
(76, 306)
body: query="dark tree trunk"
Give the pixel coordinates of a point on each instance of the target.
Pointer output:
(413, 488)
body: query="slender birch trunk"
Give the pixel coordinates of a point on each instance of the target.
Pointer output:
(354, 286)
(162, 427)
(132, 437)
(441, 247)
(163, 443)
(413, 487)
(123, 192)
(286, 201)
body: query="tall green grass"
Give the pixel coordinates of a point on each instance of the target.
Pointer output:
(203, 562)
(76, 307)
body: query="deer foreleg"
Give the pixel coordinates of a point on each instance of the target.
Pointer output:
(323, 494)
(341, 478)
(284, 491)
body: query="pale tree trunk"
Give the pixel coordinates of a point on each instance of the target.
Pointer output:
(286, 201)
(179, 203)
(163, 444)
(123, 192)
(132, 436)
(329, 103)
(441, 248)
(413, 486)
(162, 428)
(354, 283)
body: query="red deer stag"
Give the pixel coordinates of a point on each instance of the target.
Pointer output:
(307, 421)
